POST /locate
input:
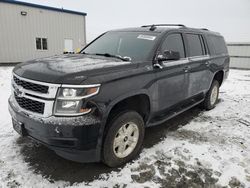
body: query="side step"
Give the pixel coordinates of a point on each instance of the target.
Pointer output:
(173, 114)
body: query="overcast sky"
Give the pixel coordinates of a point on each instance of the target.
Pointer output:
(229, 17)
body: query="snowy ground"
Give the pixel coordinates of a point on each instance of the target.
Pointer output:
(196, 149)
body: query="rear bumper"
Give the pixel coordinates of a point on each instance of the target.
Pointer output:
(73, 138)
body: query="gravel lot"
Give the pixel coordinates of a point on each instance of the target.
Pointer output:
(196, 149)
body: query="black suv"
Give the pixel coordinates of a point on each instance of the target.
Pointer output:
(95, 105)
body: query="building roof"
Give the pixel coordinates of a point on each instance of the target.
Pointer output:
(42, 7)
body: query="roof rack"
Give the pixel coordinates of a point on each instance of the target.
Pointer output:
(153, 26)
(204, 29)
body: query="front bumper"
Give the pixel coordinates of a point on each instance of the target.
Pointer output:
(73, 138)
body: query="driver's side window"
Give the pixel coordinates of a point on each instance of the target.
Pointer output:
(173, 42)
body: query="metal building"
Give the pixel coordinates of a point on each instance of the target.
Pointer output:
(239, 55)
(29, 31)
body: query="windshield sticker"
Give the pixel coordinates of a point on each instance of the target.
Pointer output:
(146, 37)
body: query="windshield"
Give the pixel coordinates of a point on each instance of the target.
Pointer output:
(134, 45)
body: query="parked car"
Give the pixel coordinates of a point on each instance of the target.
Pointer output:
(95, 105)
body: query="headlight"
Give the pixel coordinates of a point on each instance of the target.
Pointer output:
(70, 99)
(69, 92)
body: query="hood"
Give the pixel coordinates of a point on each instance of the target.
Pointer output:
(70, 68)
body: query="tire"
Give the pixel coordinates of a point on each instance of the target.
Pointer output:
(123, 139)
(211, 98)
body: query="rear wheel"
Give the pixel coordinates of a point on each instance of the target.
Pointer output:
(211, 98)
(123, 139)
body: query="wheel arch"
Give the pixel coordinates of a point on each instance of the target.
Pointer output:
(219, 76)
(111, 109)
(139, 102)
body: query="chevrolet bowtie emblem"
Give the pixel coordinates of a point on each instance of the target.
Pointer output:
(19, 91)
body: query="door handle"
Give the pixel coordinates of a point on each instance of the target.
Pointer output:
(207, 63)
(186, 69)
(157, 65)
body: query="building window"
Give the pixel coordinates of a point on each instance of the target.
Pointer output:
(44, 44)
(41, 43)
(38, 44)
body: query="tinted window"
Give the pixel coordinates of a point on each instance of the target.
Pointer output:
(195, 45)
(135, 45)
(203, 45)
(174, 42)
(217, 45)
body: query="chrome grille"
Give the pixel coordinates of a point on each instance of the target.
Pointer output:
(34, 97)
(29, 104)
(31, 86)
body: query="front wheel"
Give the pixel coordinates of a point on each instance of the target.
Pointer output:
(124, 138)
(211, 98)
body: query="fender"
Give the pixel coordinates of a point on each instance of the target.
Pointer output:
(211, 81)
(109, 108)
(215, 71)
(125, 96)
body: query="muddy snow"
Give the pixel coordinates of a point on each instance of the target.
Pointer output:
(196, 149)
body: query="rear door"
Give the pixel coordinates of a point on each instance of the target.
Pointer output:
(172, 78)
(198, 65)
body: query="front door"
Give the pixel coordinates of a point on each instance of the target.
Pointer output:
(172, 78)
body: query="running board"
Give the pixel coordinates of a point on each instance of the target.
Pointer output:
(174, 114)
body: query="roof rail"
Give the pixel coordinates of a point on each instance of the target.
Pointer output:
(153, 26)
(204, 29)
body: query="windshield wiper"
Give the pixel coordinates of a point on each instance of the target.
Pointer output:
(85, 53)
(115, 56)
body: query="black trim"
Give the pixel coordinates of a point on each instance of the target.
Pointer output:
(176, 109)
(203, 45)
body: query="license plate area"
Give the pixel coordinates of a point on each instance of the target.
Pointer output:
(19, 127)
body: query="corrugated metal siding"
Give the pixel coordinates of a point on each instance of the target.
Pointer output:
(18, 33)
(240, 55)
(243, 63)
(239, 49)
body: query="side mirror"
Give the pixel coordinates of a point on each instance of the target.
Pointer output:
(168, 55)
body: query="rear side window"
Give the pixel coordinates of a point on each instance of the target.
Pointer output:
(196, 46)
(217, 45)
(174, 42)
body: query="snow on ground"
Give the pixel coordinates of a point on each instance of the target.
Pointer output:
(211, 150)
